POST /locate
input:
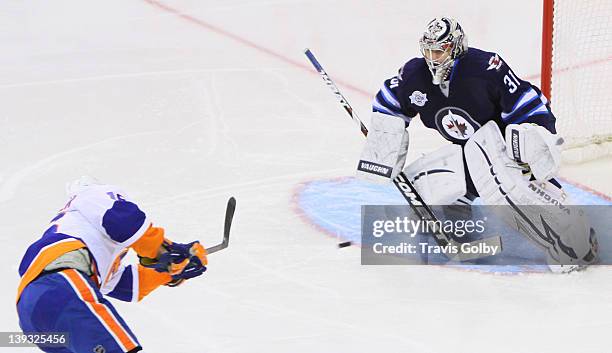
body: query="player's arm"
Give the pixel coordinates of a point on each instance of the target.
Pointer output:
(162, 262)
(387, 100)
(163, 256)
(133, 282)
(529, 124)
(384, 153)
(520, 101)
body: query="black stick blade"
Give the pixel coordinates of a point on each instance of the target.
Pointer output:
(229, 216)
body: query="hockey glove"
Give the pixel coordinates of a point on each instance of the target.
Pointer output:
(535, 146)
(193, 269)
(174, 258)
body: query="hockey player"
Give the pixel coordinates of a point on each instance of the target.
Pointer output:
(66, 274)
(504, 147)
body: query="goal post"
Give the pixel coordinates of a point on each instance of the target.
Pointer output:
(576, 74)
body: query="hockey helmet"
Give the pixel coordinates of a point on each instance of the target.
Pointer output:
(442, 43)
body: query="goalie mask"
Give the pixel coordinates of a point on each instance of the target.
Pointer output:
(442, 43)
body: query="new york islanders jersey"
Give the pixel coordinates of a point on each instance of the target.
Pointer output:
(481, 87)
(102, 219)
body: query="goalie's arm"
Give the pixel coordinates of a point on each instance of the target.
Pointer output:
(388, 100)
(520, 101)
(386, 147)
(528, 122)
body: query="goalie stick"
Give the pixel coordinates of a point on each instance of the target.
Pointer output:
(229, 216)
(404, 185)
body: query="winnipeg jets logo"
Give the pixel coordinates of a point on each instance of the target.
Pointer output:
(457, 127)
(495, 63)
(418, 98)
(455, 124)
(435, 29)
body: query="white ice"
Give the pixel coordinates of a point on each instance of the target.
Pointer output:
(190, 102)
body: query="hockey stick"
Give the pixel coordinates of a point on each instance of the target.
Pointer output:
(229, 216)
(404, 185)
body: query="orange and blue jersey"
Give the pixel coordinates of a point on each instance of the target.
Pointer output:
(102, 219)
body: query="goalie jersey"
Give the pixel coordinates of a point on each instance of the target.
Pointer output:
(103, 222)
(481, 87)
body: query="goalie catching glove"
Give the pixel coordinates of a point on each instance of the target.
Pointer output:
(535, 146)
(181, 261)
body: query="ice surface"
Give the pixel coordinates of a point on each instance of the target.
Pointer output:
(188, 102)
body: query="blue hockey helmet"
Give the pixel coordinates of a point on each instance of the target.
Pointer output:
(442, 43)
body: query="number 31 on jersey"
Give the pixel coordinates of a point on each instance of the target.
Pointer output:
(511, 81)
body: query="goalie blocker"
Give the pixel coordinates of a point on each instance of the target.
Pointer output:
(384, 154)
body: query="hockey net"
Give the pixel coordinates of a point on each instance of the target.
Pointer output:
(577, 74)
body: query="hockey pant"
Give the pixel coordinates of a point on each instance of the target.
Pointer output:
(68, 301)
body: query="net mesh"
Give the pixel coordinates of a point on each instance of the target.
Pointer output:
(582, 76)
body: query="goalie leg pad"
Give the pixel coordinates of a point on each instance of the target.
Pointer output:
(384, 154)
(439, 176)
(539, 210)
